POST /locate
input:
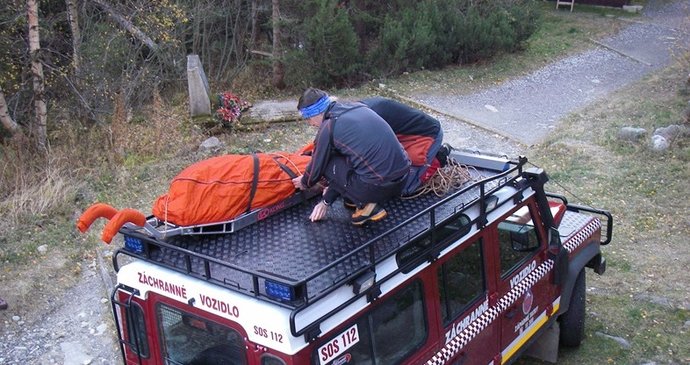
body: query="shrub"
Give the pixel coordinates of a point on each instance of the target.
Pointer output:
(409, 41)
(329, 55)
(434, 33)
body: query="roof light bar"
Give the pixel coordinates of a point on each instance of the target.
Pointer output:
(279, 291)
(133, 244)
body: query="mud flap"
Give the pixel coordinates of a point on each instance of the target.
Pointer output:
(545, 348)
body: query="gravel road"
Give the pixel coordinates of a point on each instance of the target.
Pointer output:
(74, 328)
(526, 109)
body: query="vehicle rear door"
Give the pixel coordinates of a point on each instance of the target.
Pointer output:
(469, 336)
(187, 335)
(463, 280)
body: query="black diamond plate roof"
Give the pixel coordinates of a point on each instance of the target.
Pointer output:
(288, 248)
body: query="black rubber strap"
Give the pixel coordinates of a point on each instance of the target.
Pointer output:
(290, 173)
(255, 181)
(284, 167)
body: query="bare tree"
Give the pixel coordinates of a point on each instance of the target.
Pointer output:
(72, 17)
(40, 108)
(255, 30)
(127, 25)
(5, 117)
(278, 69)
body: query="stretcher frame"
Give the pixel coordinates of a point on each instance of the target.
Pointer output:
(161, 229)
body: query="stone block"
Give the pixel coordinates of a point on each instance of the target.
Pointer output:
(631, 134)
(659, 143)
(272, 111)
(199, 91)
(632, 8)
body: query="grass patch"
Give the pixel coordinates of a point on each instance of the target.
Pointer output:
(642, 298)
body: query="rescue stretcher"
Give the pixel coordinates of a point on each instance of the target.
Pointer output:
(214, 196)
(160, 229)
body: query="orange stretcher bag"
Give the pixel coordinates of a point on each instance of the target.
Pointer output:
(221, 188)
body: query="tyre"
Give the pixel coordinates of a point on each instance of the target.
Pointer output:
(573, 321)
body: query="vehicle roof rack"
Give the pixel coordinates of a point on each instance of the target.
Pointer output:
(292, 262)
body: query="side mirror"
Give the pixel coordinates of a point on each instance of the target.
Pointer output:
(559, 255)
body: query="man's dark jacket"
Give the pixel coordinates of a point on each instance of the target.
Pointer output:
(364, 139)
(416, 130)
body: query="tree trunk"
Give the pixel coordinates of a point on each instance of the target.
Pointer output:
(40, 109)
(255, 30)
(127, 25)
(278, 69)
(73, 19)
(5, 117)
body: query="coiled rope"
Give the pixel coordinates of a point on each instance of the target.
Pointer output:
(446, 179)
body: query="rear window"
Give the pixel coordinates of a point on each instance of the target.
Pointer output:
(385, 336)
(136, 331)
(191, 340)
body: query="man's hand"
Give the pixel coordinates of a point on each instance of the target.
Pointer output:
(297, 182)
(319, 211)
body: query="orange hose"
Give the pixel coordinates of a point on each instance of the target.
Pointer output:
(98, 210)
(126, 215)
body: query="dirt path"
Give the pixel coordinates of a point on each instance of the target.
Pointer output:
(74, 327)
(526, 109)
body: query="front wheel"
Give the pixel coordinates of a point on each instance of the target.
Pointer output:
(573, 321)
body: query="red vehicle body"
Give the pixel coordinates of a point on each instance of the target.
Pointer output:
(477, 277)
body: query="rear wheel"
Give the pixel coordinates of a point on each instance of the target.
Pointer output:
(573, 321)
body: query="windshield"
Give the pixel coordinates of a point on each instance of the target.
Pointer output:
(191, 340)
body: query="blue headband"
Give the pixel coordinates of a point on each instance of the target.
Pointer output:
(317, 108)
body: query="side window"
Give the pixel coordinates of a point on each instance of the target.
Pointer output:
(385, 336)
(461, 281)
(456, 228)
(191, 340)
(517, 239)
(136, 330)
(449, 232)
(271, 360)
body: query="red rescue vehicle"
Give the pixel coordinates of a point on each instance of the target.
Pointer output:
(475, 277)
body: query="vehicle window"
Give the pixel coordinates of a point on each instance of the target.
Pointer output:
(454, 229)
(385, 336)
(517, 239)
(461, 281)
(136, 331)
(190, 340)
(271, 360)
(449, 231)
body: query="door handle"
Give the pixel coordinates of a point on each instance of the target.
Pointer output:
(460, 360)
(510, 313)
